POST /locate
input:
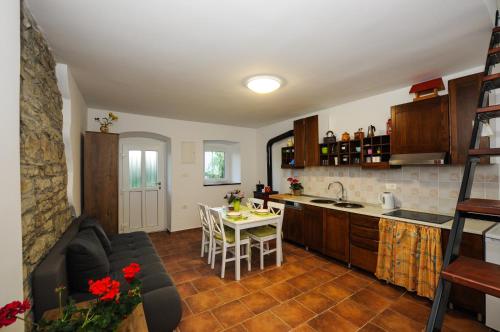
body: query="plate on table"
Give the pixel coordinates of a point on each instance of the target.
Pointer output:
(262, 211)
(233, 214)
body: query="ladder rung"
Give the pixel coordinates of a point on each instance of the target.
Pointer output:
(489, 112)
(491, 81)
(485, 152)
(492, 51)
(475, 274)
(479, 205)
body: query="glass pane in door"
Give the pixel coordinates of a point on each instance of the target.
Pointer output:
(151, 168)
(134, 168)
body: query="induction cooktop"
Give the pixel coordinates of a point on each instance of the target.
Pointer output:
(421, 216)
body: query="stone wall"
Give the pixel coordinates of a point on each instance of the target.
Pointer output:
(45, 208)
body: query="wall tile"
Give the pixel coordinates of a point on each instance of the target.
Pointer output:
(426, 188)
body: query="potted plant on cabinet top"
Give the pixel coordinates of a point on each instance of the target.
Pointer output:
(295, 186)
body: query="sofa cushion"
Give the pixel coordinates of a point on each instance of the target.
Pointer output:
(86, 260)
(99, 231)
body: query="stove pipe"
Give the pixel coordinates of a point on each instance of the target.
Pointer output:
(270, 155)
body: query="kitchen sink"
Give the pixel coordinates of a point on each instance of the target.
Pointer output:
(322, 201)
(348, 205)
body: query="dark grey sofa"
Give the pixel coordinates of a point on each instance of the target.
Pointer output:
(161, 301)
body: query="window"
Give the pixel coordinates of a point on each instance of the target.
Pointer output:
(215, 165)
(221, 163)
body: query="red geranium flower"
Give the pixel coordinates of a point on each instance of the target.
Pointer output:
(129, 272)
(106, 288)
(9, 312)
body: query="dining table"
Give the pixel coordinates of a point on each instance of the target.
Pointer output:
(250, 219)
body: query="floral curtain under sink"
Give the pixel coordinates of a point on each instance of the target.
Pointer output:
(410, 256)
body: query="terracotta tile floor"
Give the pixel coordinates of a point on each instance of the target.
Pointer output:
(308, 293)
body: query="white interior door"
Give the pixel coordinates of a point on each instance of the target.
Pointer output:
(142, 185)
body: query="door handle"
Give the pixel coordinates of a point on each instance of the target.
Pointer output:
(158, 184)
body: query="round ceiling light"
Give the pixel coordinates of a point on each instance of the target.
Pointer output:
(263, 83)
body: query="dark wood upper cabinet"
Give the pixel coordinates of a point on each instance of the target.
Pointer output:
(313, 227)
(464, 95)
(306, 141)
(421, 126)
(336, 234)
(100, 179)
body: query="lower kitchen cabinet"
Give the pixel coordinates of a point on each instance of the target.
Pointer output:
(313, 227)
(472, 246)
(293, 223)
(336, 235)
(364, 241)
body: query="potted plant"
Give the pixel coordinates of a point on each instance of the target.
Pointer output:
(106, 122)
(295, 186)
(110, 308)
(234, 197)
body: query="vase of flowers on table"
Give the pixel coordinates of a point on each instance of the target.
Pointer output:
(295, 186)
(234, 198)
(106, 122)
(105, 313)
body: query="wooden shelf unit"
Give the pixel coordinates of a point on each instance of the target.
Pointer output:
(343, 153)
(376, 147)
(287, 155)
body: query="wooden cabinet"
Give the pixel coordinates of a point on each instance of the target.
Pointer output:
(293, 223)
(100, 179)
(336, 235)
(421, 126)
(472, 245)
(364, 241)
(306, 141)
(313, 227)
(464, 94)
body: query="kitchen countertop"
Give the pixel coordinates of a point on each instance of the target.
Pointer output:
(471, 226)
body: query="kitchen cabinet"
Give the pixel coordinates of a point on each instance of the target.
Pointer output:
(464, 94)
(421, 126)
(364, 237)
(313, 227)
(293, 223)
(472, 246)
(100, 179)
(336, 235)
(306, 139)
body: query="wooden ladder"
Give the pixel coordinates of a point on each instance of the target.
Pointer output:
(472, 273)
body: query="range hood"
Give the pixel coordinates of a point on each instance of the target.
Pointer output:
(434, 158)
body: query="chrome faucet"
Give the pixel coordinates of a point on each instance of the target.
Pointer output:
(341, 187)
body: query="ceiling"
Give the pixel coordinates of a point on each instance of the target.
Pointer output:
(187, 59)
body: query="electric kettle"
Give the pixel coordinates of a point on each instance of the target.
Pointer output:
(387, 200)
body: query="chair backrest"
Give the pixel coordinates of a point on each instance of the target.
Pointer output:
(276, 208)
(215, 216)
(205, 221)
(257, 203)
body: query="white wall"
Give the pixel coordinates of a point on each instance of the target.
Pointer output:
(374, 110)
(10, 203)
(187, 179)
(74, 124)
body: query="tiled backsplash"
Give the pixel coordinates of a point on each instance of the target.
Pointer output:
(425, 188)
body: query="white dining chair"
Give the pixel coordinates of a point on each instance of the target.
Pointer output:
(224, 238)
(256, 203)
(264, 234)
(207, 231)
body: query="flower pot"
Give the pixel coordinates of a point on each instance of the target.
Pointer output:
(104, 129)
(236, 205)
(296, 192)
